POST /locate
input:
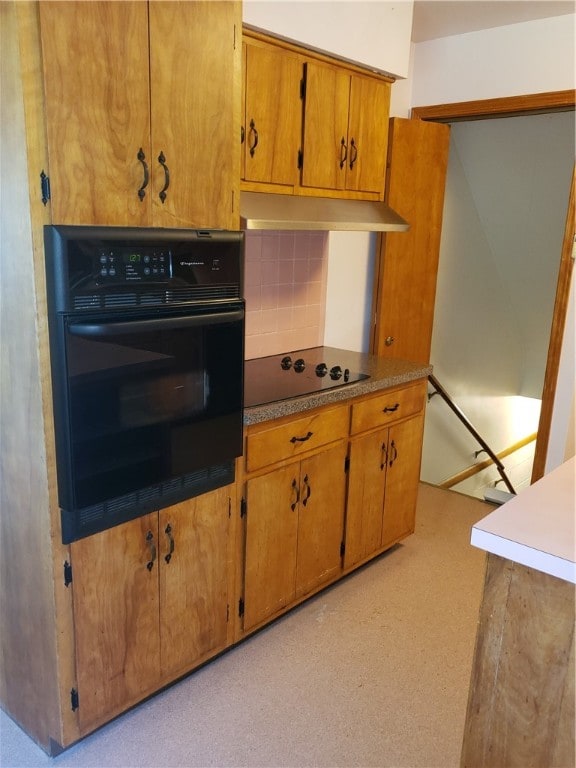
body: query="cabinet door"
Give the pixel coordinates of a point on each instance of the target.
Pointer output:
(325, 127)
(320, 518)
(273, 115)
(193, 90)
(115, 583)
(95, 60)
(402, 476)
(271, 540)
(366, 487)
(367, 135)
(405, 288)
(193, 565)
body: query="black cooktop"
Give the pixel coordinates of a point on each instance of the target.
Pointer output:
(297, 373)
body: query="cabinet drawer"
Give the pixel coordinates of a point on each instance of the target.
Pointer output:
(387, 407)
(276, 443)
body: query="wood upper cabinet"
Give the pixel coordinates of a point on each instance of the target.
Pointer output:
(405, 286)
(384, 473)
(345, 130)
(141, 112)
(272, 115)
(150, 602)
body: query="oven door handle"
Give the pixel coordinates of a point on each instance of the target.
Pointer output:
(156, 324)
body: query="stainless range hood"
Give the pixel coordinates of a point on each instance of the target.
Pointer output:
(259, 210)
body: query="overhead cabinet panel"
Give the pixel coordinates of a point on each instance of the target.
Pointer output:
(367, 134)
(345, 130)
(273, 115)
(97, 110)
(141, 112)
(193, 129)
(325, 127)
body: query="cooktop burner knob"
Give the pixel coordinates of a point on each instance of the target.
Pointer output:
(299, 365)
(286, 363)
(346, 374)
(321, 369)
(336, 372)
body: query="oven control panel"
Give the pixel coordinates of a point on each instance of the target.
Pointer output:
(90, 268)
(130, 264)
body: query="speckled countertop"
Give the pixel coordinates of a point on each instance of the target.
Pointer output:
(383, 374)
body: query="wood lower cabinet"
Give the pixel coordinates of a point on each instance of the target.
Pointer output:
(294, 511)
(383, 475)
(150, 601)
(294, 532)
(325, 492)
(141, 112)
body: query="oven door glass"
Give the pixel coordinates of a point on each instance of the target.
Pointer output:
(149, 401)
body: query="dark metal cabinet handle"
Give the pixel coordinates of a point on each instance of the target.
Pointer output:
(162, 161)
(301, 439)
(353, 153)
(394, 451)
(308, 490)
(391, 408)
(297, 497)
(142, 158)
(242, 134)
(168, 532)
(343, 152)
(383, 455)
(152, 546)
(254, 139)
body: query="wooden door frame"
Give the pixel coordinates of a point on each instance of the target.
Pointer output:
(516, 106)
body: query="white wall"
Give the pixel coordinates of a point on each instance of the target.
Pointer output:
(375, 34)
(351, 261)
(533, 57)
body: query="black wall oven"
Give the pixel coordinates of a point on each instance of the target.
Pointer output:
(147, 352)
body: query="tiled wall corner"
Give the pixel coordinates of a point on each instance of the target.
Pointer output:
(285, 290)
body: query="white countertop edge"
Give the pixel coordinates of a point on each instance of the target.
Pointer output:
(520, 553)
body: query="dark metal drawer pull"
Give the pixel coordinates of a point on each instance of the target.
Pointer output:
(254, 134)
(343, 152)
(162, 161)
(168, 532)
(142, 158)
(301, 439)
(297, 492)
(391, 408)
(150, 542)
(353, 153)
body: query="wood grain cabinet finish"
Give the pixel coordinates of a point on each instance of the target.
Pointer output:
(313, 125)
(407, 262)
(141, 112)
(383, 479)
(150, 602)
(272, 115)
(295, 515)
(345, 130)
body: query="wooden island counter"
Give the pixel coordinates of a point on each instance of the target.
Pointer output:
(521, 699)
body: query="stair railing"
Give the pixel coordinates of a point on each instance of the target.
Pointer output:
(439, 390)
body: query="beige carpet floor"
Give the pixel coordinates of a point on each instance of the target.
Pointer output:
(372, 672)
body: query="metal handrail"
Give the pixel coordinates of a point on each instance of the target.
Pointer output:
(439, 390)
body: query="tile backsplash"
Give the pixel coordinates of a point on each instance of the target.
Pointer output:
(285, 290)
